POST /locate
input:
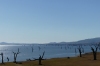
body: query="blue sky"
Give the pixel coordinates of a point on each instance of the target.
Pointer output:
(44, 21)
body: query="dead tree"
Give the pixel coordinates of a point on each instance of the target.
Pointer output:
(75, 51)
(61, 47)
(15, 55)
(95, 51)
(80, 49)
(18, 49)
(2, 58)
(41, 58)
(39, 48)
(7, 59)
(32, 49)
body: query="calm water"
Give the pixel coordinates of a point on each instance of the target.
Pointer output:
(51, 51)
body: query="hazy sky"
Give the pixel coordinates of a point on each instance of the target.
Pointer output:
(43, 21)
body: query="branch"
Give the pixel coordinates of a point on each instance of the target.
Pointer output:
(43, 54)
(92, 49)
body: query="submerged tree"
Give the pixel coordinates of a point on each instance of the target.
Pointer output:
(75, 51)
(32, 49)
(80, 49)
(94, 50)
(15, 55)
(39, 48)
(7, 59)
(2, 58)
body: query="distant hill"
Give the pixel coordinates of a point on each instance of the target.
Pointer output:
(85, 41)
(3, 43)
(92, 40)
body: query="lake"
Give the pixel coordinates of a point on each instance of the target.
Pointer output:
(51, 51)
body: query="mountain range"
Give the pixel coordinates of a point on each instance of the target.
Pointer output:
(85, 41)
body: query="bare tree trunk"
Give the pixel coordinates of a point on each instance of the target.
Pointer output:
(2, 57)
(94, 53)
(8, 59)
(80, 51)
(32, 49)
(40, 60)
(80, 54)
(95, 57)
(15, 55)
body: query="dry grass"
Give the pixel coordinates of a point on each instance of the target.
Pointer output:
(86, 60)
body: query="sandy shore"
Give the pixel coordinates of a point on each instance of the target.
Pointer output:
(85, 60)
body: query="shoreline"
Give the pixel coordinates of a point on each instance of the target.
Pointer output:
(50, 58)
(85, 60)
